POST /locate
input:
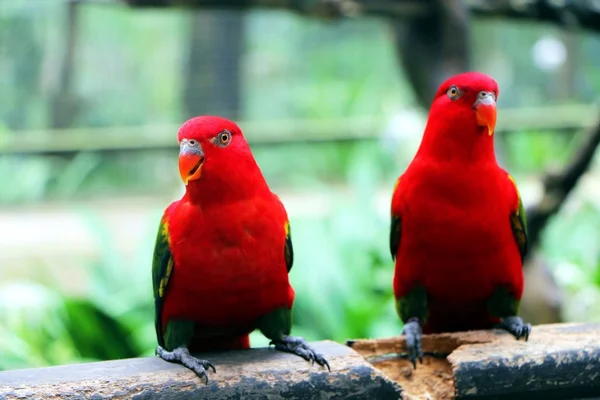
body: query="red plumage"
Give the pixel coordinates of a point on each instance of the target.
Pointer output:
(227, 236)
(455, 204)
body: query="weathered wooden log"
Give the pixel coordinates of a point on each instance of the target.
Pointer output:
(560, 361)
(249, 374)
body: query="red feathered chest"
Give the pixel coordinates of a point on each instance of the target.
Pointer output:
(229, 262)
(456, 238)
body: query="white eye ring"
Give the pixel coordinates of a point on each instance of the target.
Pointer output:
(483, 94)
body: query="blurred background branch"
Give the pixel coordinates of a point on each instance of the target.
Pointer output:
(558, 184)
(585, 12)
(556, 119)
(432, 35)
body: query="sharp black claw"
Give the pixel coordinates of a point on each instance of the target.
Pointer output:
(413, 332)
(515, 326)
(299, 346)
(182, 356)
(202, 376)
(211, 366)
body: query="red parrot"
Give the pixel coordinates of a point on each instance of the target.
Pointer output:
(458, 229)
(223, 253)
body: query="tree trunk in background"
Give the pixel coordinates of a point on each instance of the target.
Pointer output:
(63, 104)
(542, 301)
(21, 62)
(212, 75)
(568, 71)
(434, 46)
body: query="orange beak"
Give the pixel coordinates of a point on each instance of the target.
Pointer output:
(485, 109)
(191, 159)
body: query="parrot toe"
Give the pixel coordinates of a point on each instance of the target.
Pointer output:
(299, 346)
(516, 327)
(413, 332)
(182, 355)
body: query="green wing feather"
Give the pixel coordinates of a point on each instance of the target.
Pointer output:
(395, 233)
(518, 223)
(162, 266)
(288, 249)
(395, 228)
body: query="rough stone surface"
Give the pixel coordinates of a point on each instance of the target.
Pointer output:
(560, 361)
(249, 374)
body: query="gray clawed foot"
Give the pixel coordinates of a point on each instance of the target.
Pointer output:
(299, 346)
(413, 332)
(182, 356)
(516, 327)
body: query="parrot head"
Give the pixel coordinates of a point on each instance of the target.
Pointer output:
(213, 149)
(467, 100)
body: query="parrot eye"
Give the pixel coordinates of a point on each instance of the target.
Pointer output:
(453, 93)
(224, 138)
(193, 142)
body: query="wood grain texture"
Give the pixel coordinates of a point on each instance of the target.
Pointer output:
(560, 361)
(248, 374)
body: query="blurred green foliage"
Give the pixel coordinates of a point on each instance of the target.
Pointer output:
(130, 73)
(342, 278)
